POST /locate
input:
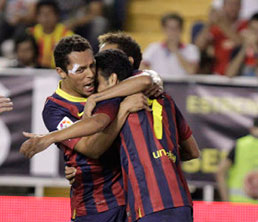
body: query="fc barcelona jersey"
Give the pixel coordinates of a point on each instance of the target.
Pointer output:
(98, 183)
(153, 179)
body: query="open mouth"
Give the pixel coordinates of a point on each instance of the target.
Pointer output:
(89, 87)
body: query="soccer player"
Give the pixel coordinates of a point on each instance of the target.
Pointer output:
(150, 159)
(5, 104)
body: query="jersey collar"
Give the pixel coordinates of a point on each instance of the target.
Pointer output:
(67, 96)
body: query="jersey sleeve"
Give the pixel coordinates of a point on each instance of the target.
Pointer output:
(109, 107)
(184, 129)
(57, 118)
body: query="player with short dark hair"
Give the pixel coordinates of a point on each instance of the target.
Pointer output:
(67, 46)
(125, 43)
(98, 189)
(113, 61)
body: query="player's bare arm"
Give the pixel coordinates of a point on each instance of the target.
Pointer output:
(94, 146)
(189, 149)
(84, 127)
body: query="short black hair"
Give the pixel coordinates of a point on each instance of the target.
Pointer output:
(173, 16)
(254, 17)
(113, 61)
(51, 3)
(67, 45)
(126, 43)
(25, 37)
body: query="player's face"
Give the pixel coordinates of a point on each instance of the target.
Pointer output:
(106, 83)
(81, 73)
(102, 83)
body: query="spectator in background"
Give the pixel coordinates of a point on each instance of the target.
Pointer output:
(5, 104)
(224, 29)
(171, 57)
(241, 160)
(244, 58)
(48, 31)
(15, 16)
(26, 51)
(206, 49)
(84, 17)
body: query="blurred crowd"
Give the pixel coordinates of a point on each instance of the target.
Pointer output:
(30, 29)
(224, 44)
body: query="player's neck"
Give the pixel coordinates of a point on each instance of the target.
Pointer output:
(67, 89)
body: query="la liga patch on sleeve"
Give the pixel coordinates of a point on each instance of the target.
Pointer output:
(64, 123)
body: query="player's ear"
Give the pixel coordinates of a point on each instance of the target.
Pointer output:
(61, 72)
(112, 80)
(131, 60)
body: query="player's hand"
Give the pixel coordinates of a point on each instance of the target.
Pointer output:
(135, 103)
(70, 173)
(157, 88)
(89, 106)
(35, 144)
(5, 104)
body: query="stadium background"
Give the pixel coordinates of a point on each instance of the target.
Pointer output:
(233, 100)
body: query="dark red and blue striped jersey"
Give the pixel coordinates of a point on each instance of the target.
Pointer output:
(98, 183)
(153, 179)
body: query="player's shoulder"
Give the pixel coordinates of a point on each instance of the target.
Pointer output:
(51, 102)
(54, 104)
(110, 106)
